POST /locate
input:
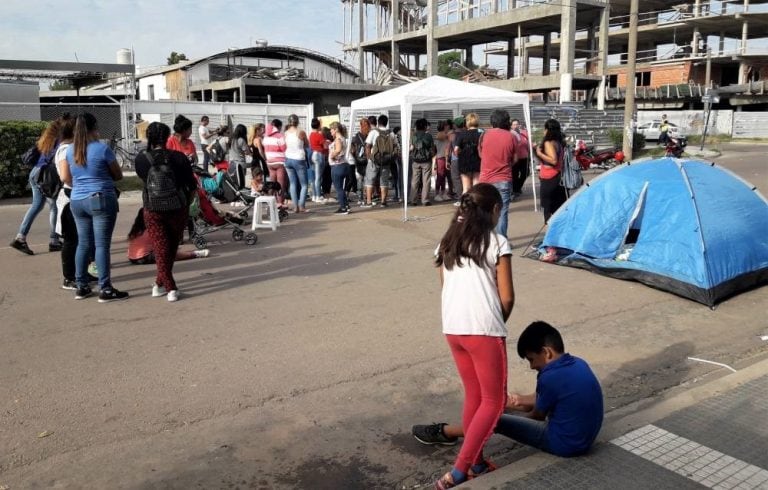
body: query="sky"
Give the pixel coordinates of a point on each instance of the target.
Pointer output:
(93, 30)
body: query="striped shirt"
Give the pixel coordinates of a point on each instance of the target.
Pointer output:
(274, 148)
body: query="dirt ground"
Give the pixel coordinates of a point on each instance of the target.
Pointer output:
(303, 361)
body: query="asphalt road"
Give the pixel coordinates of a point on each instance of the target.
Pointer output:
(303, 361)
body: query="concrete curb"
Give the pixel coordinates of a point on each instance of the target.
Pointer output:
(627, 419)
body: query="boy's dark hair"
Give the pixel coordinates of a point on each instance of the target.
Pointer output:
(277, 124)
(500, 119)
(315, 124)
(422, 124)
(383, 121)
(372, 121)
(538, 335)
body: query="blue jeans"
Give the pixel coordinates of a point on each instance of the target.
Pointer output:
(38, 201)
(504, 188)
(524, 430)
(338, 174)
(95, 218)
(319, 162)
(297, 174)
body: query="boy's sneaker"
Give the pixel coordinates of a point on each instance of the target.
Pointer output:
(112, 294)
(21, 246)
(366, 205)
(341, 211)
(173, 295)
(432, 435)
(69, 285)
(158, 291)
(84, 292)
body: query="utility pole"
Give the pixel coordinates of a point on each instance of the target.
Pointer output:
(629, 99)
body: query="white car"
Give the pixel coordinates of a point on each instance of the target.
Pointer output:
(651, 130)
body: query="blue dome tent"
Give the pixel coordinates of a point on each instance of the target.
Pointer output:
(684, 226)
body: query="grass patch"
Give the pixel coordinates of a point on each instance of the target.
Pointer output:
(130, 183)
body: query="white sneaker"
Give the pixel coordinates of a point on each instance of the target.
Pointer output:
(157, 291)
(202, 253)
(173, 295)
(457, 203)
(439, 198)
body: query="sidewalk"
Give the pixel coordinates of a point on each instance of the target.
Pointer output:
(714, 435)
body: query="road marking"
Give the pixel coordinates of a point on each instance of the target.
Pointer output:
(690, 459)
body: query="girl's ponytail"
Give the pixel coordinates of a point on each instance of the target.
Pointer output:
(84, 125)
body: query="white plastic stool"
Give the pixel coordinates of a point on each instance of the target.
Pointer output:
(269, 204)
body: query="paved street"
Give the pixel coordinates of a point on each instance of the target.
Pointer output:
(303, 361)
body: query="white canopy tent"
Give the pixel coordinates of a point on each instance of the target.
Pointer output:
(435, 93)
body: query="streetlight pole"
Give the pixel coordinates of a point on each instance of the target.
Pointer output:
(629, 99)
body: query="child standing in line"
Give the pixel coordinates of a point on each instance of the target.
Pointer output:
(477, 299)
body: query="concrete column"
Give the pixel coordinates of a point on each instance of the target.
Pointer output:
(468, 57)
(743, 48)
(547, 53)
(395, 48)
(510, 58)
(592, 47)
(361, 38)
(567, 48)
(432, 48)
(695, 42)
(602, 61)
(721, 46)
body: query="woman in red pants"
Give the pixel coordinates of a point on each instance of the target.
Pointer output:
(168, 185)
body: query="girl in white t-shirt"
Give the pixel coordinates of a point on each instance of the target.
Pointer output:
(477, 298)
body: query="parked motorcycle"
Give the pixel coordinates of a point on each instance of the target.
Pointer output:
(675, 146)
(588, 157)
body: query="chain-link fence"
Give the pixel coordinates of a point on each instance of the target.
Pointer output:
(107, 114)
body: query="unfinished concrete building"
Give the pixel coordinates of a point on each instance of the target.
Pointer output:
(568, 50)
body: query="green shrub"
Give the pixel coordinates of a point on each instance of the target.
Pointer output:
(617, 139)
(15, 138)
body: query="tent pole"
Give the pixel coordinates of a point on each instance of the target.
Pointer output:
(527, 109)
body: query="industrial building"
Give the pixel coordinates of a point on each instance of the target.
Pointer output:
(570, 50)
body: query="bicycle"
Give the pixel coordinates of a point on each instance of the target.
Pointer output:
(124, 156)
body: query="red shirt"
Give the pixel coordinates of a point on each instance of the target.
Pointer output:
(187, 147)
(497, 153)
(317, 142)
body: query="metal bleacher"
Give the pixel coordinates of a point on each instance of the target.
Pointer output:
(590, 125)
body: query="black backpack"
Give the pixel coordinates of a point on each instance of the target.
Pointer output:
(217, 152)
(48, 179)
(161, 192)
(30, 158)
(422, 149)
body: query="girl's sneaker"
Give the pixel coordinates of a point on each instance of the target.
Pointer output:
(173, 295)
(158, 291)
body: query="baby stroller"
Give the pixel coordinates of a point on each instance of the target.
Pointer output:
(207, 218)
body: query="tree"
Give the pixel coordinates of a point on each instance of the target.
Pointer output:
(176, 58)
(62, 84)
(445, 66)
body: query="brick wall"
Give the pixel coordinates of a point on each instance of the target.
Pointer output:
(662, 75)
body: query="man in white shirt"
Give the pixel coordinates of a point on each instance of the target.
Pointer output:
(205, 140)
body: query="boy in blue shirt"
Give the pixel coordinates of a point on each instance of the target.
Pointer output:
(562, 417)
